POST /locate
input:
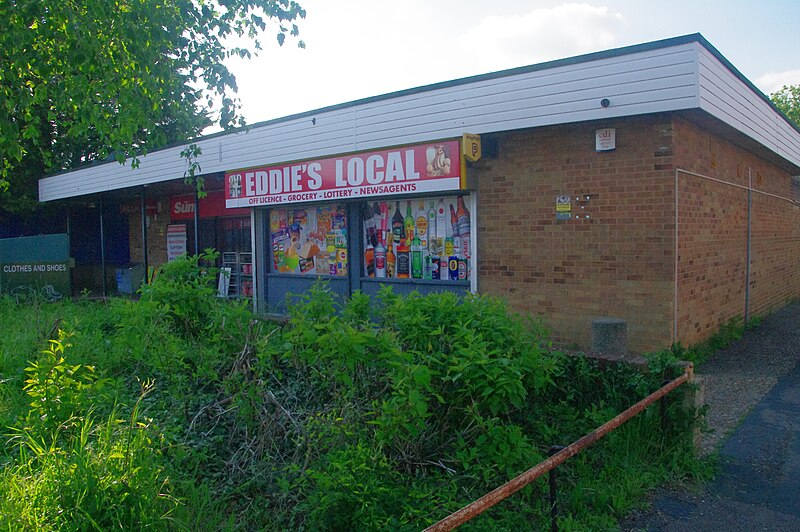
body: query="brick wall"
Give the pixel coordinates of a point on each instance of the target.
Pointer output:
(618, 262)
(712, 246)
(156, 235)
(713, 233)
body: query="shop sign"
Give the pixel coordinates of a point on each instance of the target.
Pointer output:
(213, 205)
(433, 167)
(605, 139)
(472, 146)
(176, 241)
(35, 268)
(152, 207)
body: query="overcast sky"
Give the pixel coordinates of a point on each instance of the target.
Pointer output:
(361, 48)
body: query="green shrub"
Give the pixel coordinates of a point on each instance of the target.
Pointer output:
(186, 289)
(72, 473)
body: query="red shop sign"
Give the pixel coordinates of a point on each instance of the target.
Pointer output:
(213, 205)
(433, 167)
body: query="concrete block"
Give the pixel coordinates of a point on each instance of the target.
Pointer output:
(610, 336)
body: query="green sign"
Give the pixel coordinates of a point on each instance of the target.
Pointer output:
(35, 268)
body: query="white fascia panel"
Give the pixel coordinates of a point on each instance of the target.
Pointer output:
(657, 80)
(725, 96)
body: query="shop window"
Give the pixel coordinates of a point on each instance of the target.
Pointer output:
(311, 240)
(235, 234)
(424, 239)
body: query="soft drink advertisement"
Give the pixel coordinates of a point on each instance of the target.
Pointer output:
(426, 238)
(433, 167)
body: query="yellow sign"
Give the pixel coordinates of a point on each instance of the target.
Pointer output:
(471, 146)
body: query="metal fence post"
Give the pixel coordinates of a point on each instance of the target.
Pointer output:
(663, 407)
(553, 491)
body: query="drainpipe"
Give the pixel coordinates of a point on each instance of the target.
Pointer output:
(102, 247)
(196, 221)
(675, 270)
(749, 237)
(69, 240)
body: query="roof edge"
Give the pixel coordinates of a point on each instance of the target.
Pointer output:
(573, 60)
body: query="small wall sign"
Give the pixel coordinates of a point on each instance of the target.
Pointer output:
(605, 139)
(563, 208)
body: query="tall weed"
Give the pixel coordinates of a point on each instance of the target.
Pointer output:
(73, 473)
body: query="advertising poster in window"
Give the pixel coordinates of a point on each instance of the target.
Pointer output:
(311, 240)
(176, 241)
(424, 238)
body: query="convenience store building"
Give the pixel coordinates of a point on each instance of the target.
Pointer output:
(652, 183)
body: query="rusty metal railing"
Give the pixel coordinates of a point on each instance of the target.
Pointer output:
(497, 495)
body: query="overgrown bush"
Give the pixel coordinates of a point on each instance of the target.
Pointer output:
(435, 400)
(374, 413)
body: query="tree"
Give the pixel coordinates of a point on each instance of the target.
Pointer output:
(82, 80)
(788, 101)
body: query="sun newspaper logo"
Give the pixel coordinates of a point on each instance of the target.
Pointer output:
(183, 207)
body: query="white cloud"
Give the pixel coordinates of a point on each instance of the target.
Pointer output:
(542, 35)
(774, 81)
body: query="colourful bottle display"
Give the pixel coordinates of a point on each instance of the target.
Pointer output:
(408, 223)
(463, 223)
(415, 241)
(416, 258)
(403, 261)
(390, 262)
(380, 261)
(398, 224)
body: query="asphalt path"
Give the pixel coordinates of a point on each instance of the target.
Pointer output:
(758, 483)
